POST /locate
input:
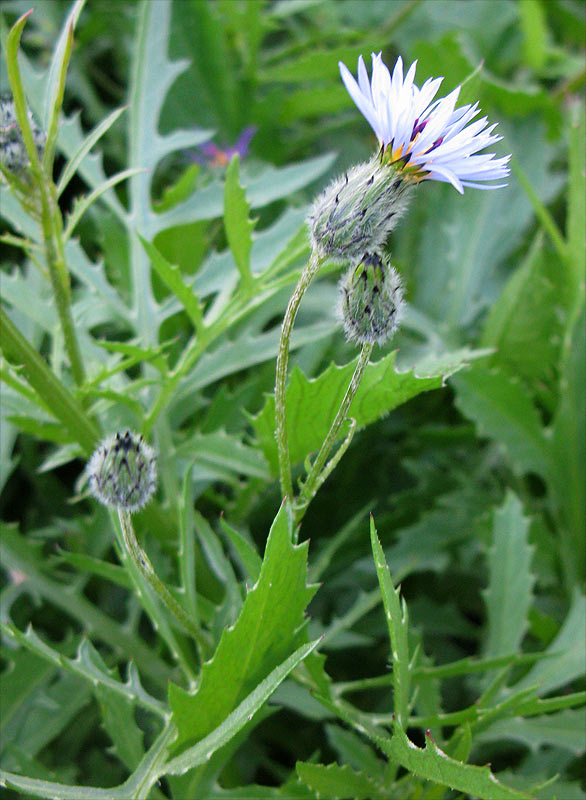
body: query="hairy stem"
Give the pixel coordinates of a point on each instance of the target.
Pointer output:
(281, 377)
(144, 566)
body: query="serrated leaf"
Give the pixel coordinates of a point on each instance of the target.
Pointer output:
(201, 752)
(398, 626)
(120, 725)
(509, 593)
(434, 765)
(336, 783)
(88, 665)
(566, 729)
(503, 410)
(236, 222)
(312, 404)
(265, 632)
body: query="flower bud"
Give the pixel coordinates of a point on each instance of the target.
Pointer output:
(122, 472)
(371, 300)
(13, 154)
(357, 212)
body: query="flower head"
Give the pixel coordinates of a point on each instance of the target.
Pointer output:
(371, 300)
(357, 211)
(432, 139)
(122, 472)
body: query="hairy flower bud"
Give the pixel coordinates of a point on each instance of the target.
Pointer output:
(371, 300)
(13, 154)
(357, 212)
(122, 472)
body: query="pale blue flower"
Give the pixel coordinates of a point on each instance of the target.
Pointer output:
(431, 138)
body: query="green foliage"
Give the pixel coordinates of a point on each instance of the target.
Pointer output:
(315, 401)
(265, 632)
(143, 291)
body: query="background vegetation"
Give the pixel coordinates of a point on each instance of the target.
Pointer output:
(476, 484)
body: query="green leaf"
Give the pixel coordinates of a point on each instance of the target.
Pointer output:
(503, 410)
(247, 553)
(199, 753)
(270, 184)
(82, 204)
(88, 665)
(434, 765)
(312, 403)
(222, 455)
(120, 725)
(566, 729)
(15, 554)
(171, 275)
(576, 220)
(84, 148)
(332, 781)
(509, 593)
(567, 654)
(534, 28)
(236, 222)
(53, 393)
(264, 634)
(525, 326)
(569, 451)
(95, 566)
(398, 627)
(55, 88)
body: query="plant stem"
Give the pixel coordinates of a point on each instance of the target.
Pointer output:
(281, 374)
(144, 566)
(314, 479)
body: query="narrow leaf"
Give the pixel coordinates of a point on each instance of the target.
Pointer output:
(398, 627)
(509, 593)
(236, 222)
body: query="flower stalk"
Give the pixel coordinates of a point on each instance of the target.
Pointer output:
(281, 435)
(143, 564)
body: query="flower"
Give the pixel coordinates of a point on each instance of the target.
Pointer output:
(371, 300)
(122, 472)
(221, 157)
(432, 139)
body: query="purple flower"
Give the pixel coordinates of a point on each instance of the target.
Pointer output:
(209, 153)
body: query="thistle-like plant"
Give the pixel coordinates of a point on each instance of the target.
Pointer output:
(420, 139)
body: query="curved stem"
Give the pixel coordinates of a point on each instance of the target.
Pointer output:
(281, 373)
(144, 566)
(316, 475)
